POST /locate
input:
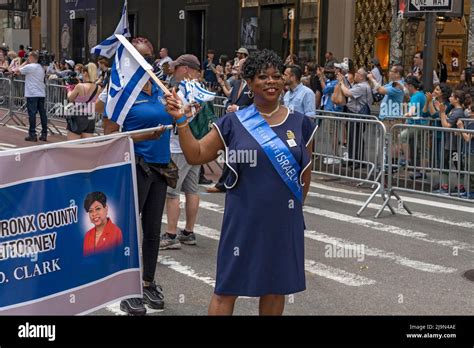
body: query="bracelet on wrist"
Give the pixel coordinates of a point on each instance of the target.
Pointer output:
(181, 120)
(182, 125)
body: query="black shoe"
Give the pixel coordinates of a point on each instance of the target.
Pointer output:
(204, 181)
(133, 307)
(153, 296)
(32, 139)
(43, 138)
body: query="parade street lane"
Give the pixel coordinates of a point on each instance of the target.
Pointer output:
(408, 265)
(411, 265)
(13, 136)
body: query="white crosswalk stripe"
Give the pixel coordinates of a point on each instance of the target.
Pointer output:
(427, 217)
(430, 203)
(341, 243)
(18, 128)
(185, 270)
(337, 274)
(388, 228)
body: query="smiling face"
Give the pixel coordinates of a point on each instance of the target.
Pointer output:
(453, 100)
(98, 214)
(267, 85)
(228, 67)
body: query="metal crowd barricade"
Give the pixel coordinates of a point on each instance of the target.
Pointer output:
(56, 102)
(360, 160)
(17, 100)
(5, 100)
(430, 160)
(219, 110)
(220, 101)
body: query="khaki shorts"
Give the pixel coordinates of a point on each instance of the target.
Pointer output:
(407, 134)
(188, 181)
(389, 123)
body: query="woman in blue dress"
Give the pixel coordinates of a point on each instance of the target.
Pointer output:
(268, 150)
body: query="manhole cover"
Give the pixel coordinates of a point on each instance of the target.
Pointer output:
(469, 275)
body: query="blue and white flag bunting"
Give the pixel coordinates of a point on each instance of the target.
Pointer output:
(109, 47)
(127, 80)
(192, 92)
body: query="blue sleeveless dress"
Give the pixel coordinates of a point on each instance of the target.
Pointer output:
(261, 250)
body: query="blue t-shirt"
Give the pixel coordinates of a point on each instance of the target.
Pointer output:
(392, 103)
(328, 91)
(149, 112)
(418, 101)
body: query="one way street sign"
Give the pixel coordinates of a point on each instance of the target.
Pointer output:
(430, 6)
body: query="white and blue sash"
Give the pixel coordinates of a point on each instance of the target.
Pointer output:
(276, 150)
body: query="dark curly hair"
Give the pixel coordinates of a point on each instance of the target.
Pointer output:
(446, 91)
(260, 61)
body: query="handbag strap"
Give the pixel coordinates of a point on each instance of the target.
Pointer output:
(93, 94)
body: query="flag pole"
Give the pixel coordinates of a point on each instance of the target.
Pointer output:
(139, 58)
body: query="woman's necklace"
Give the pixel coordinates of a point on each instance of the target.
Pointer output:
(270, 115)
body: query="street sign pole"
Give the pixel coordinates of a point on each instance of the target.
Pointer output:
(429, 53)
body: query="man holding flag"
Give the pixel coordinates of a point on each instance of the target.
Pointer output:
(187, 73)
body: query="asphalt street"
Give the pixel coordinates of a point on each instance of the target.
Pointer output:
(395, 265)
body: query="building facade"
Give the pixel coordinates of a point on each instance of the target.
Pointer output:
(360, 29)
(15, 23)
(384, 29)
(194, 26)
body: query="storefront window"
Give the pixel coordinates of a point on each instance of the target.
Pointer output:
(382, 49)
(309, 30)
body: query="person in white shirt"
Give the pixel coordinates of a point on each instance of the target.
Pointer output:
(185, 67)
(35, 93)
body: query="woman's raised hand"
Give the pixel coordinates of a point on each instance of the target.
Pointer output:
(174, 106)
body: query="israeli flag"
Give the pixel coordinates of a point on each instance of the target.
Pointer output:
(192, 92)
(185, 93)
(108, 47)
(128, 77)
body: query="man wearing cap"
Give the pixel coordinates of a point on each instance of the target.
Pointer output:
(65, 69)
(242, 53)
(35, 93)
(185, 67)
